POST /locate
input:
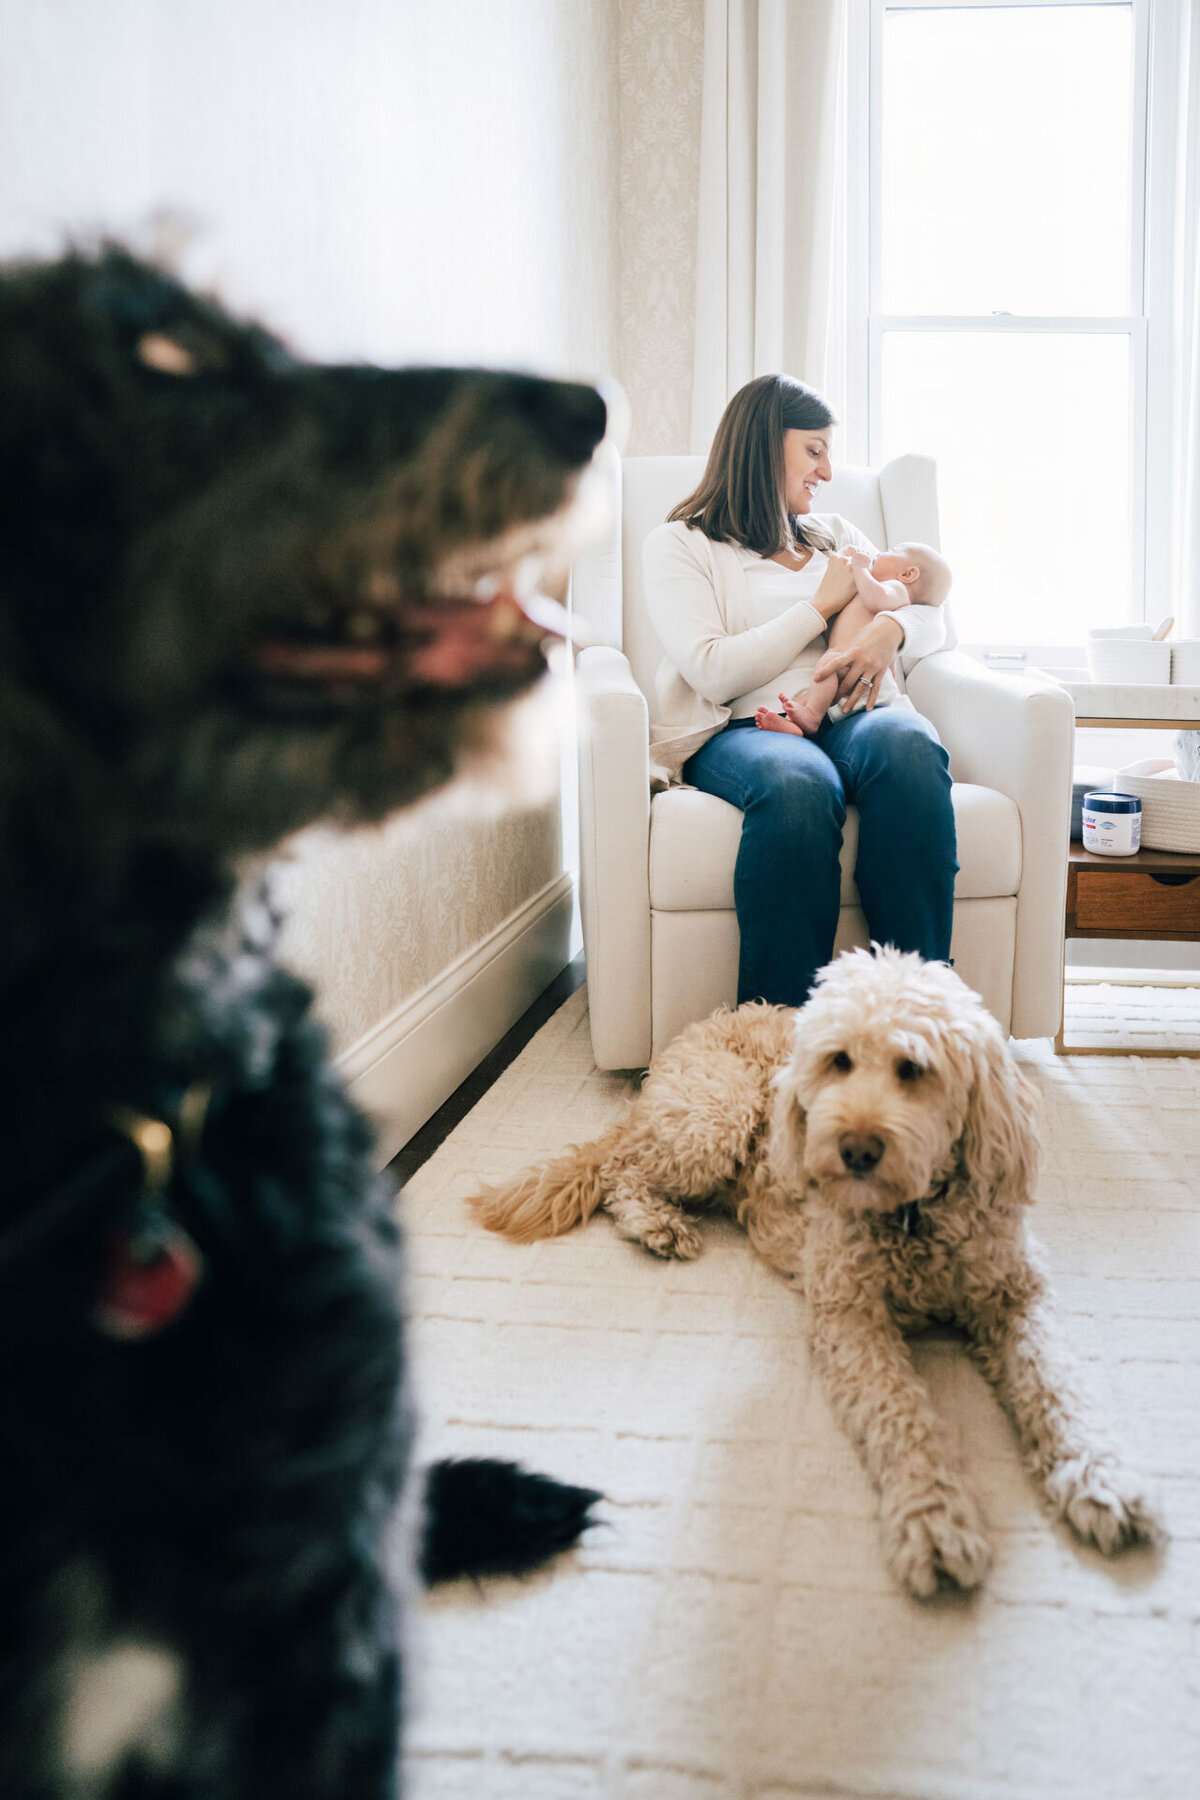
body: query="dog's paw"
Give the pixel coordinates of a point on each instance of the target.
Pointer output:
(939, 1544)
(673, 1237)
(1103, 1503)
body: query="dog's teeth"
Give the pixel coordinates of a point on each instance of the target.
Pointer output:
(527, 574)
(506, 622)
(549, 615)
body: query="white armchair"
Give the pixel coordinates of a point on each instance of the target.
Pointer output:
(656, 874)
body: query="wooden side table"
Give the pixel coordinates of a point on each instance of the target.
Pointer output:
(1154, 894)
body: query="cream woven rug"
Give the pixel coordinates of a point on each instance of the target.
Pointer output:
(731, 1634)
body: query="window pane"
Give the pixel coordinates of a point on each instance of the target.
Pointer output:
(1006, 160)
(1031, 433)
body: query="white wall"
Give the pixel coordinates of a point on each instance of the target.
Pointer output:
(402, 180)
(397, 180)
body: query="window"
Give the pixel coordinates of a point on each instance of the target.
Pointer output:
(1006, 331)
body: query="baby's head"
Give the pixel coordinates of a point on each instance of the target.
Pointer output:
(924, 573)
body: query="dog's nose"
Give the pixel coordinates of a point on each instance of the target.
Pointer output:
(860, 1151)
(571, 415)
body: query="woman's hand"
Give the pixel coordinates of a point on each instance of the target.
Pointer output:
(859, 665)
(836, 588)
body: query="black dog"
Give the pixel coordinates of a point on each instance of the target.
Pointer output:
(237, 593)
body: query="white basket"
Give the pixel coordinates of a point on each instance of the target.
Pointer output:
(1126, 660)
(1170, 806)
(1185, 662)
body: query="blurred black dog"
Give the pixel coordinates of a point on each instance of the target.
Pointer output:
(238, 593)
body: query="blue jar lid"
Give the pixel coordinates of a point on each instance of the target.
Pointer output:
(1113, 803)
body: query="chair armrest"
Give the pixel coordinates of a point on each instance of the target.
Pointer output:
(1015, 734)
(614, 856)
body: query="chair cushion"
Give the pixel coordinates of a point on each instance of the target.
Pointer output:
(694, 841)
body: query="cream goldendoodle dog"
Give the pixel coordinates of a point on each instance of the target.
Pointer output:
(879, 1146)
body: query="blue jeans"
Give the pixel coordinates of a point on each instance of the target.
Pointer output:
(793, 792)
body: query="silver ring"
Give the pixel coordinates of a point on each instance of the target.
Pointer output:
(868, 679)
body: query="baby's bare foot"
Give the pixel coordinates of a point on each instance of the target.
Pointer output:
(806, 718)
(766, 720)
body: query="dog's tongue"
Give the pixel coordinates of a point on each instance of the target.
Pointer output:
(492, 637)
(454, 643)
(323, 662)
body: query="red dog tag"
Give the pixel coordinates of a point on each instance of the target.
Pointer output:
(147, 1284)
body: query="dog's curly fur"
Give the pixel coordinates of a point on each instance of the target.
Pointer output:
(238, 593)
(880, 1147)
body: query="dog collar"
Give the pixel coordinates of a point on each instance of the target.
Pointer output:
(909, 1218)
(94, 1183)
(152, 1265)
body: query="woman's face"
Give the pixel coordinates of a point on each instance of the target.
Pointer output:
(805, 466)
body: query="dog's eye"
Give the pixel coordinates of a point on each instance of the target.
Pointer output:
(841, 1062)
(183, 351)
(907, 1070)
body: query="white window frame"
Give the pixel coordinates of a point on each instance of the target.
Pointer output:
(1149, 358)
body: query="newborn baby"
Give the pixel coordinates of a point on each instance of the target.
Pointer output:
(907, 575)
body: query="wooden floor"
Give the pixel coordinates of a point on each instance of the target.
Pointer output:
(420, 1148)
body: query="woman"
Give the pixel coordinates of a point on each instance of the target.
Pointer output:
(741, 583)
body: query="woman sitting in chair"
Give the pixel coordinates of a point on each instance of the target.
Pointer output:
(741, 585)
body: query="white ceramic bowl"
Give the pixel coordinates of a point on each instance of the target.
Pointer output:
(1129, 661)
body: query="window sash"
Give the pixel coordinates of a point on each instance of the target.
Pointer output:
(864, 269)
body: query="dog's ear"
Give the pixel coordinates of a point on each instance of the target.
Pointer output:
(1000, 1141)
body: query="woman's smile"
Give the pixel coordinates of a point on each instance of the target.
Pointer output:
(805, 466)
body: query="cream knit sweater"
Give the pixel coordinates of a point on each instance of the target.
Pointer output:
(699, 604)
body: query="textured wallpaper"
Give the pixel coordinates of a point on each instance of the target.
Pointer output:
(661, 65)
(374, 915)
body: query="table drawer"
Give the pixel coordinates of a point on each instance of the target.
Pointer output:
(1125, 900)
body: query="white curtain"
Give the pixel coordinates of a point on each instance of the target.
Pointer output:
(1175, 113)
(768, 283)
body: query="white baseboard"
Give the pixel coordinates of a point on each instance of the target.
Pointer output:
(1096, 974)
(409, 1064)
(1133, 953)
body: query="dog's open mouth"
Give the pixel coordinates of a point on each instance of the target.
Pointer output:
(477, 628)
(451, 645)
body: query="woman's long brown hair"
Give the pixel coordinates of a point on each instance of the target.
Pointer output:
(742, 497)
